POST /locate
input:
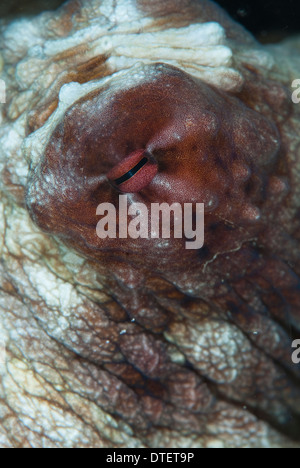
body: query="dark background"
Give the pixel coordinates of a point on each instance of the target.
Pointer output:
(268, 20)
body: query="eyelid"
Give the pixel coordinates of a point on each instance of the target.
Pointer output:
(131, 173)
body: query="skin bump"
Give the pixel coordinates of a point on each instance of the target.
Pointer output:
(137, 342)
(186, 135)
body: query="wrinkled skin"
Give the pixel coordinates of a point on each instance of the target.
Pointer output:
(142, 343)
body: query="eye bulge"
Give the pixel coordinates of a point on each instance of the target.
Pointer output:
(171, 138)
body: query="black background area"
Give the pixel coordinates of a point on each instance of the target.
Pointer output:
(269, 20)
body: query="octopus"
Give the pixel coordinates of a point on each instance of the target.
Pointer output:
(141, 342)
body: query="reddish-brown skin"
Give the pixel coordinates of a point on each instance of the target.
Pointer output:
(209, 147)
(206, 147)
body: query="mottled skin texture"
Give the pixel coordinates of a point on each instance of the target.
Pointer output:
(164, 346)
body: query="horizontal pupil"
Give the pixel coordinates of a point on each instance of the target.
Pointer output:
(132, 172)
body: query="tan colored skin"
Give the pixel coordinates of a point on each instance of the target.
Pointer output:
(135, 344)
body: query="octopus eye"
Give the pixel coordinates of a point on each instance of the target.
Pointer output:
(133, 173)
(166, 136)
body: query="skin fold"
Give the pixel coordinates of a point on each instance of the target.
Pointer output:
(142, 342)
